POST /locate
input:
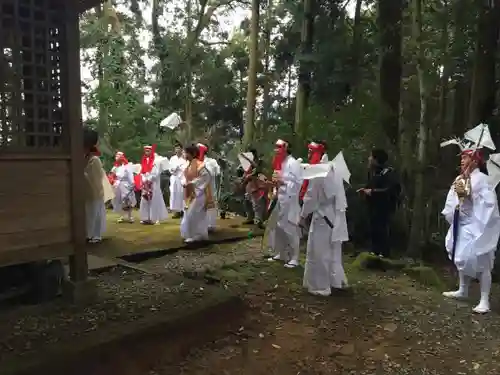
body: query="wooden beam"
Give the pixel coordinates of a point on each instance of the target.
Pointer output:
(72, 84)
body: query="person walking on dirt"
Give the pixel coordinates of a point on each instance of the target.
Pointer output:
(324, 199)
(287, 180)
(382, 194)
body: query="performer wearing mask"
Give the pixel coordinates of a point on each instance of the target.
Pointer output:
(324, 199)
(285, 240)
(197, 197)
(152, 209)
(214, 170)
(176, 167)
(96, 190)
(123, 186)
(472, 239)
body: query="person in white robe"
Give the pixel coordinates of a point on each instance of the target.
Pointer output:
(123, 186)
(177, 166)
(477, 228)
(152, 209)
(215, 171)
(324, 199)
(95, 189)
(197, 197)
(285, 239)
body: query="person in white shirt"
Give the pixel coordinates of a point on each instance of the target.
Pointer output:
(152, 208)
(325, 201)
(285, 239)
(177, 165)
(123, 186)
(197, 197)
(474, 221)
(214, 169)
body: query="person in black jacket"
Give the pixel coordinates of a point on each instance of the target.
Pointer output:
(381, 192)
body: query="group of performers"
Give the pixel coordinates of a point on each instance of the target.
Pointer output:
(152, 209)
(318, 205)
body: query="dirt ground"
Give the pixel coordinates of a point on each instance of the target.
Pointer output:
(385, 324)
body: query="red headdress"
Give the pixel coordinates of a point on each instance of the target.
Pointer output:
(280, 154)
(147, 163)
(120, 159)
(475, 154)
(317, 150)
(202, 150)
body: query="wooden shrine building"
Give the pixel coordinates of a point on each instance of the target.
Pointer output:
(41, 150)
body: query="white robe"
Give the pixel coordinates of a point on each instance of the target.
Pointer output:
(153, 210)
(194, 223)
(324, 270)
(478, 228)
(285, 240)
(123, 187)
(95, 210)
(176, 167)
(214, 170)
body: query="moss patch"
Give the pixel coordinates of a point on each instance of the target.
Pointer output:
(425, 276)
(372, 262)
(125, 238)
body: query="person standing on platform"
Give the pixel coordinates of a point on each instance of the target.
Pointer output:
(214, 170)
(152, 208)
(123, 185)
(197, 197)
(95, 189)
(177, 166)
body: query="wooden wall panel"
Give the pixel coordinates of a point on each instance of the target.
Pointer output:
(34, 204)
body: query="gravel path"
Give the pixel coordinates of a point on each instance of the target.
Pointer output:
(126, 297)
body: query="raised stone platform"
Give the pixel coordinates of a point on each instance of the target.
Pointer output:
(124, 240)
(132, 310)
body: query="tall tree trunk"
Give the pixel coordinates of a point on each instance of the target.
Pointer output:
(356, 50)
(266, 100)
(390, 66)
(483, 90)
(249, 129)
(101, 53)
(304, 81)
(418, 214)
(189, 78)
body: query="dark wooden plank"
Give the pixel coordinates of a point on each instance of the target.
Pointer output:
(73, 108)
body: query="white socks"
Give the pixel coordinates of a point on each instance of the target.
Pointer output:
(463, 291)
(484, 303)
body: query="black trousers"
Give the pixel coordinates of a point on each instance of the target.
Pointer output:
(379, 231)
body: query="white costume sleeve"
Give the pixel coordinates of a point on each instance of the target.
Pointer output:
(292, 178)
(129, 174)
(484, 202)
(449, 206)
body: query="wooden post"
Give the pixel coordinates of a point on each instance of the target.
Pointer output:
(78, 261)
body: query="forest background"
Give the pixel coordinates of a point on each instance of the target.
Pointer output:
(397, 74)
